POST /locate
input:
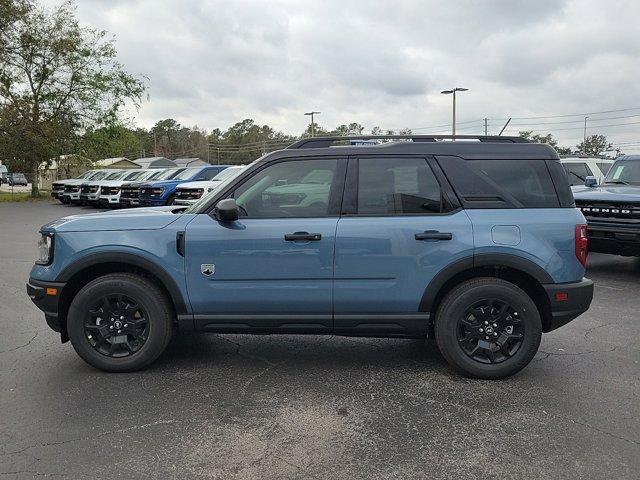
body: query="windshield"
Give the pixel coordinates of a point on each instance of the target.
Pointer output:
(114, 176)
(228, 172)
(186, 174)
(155, 174)
(624, 172)
(94, 174)
(215, 188)
(135, 175)
(169, 174)
(100, 175)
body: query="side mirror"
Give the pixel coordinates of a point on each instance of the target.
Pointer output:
(590, 181)
(227, 210)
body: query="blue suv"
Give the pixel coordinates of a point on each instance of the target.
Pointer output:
(163, 192)
(477, 243)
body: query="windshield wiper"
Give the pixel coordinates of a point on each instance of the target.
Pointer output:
(618, 182)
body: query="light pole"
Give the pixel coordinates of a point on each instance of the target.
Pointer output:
(313, 128)
(584, 136)
(453, 91)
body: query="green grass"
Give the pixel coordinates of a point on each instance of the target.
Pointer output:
(22, 197)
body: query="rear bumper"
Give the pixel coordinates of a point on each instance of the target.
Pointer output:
(43, 296)
(614, 239)
(568, 301)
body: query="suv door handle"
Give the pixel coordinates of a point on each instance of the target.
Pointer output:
(303, 237)
(434, 235)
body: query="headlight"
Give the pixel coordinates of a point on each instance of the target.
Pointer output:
(45, 249)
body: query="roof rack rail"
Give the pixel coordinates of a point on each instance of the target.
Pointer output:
(322, 142)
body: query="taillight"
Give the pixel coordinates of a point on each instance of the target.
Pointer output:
(581, 244)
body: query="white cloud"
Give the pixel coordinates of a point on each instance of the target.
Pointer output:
(213, 63)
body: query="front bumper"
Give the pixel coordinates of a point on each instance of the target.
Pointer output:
(89, 197)
(129, 202)
(568, 301)
(109, 200)
(152, 202)
(71, 197)
(615, 239)
(46, 296)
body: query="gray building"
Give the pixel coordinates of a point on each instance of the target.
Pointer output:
(190, 162)
(155, 162)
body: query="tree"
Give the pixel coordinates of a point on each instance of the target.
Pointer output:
(56, 79)
(594, 146)
(548, 139)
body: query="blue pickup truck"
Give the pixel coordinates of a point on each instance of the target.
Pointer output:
(163, 192)
(612, 209)
(477, 243)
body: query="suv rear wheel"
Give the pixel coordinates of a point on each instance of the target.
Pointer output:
(120, 322)
(488, 328)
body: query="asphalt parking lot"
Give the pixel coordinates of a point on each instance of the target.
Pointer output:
(316, 407)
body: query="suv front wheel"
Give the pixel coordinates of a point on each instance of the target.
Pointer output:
(488, 328)
(120, 322)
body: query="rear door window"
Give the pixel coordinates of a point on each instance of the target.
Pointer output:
(397, 186)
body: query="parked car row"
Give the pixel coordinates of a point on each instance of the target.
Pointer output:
(14, 179)
(114, 188)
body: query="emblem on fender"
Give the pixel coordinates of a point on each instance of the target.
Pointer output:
(207, 269)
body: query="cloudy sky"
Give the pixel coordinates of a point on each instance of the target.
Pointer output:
(213, 63)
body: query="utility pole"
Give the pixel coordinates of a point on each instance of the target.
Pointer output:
(453, 91)
(485, 126)
(584, 137)
(313, 127)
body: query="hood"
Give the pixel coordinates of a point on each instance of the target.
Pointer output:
(609, 193)
(160, 183)
(68, 180)
(153, 218)
(74, 181)
(200, 184)
(106, 183)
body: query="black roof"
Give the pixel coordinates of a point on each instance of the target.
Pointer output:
(465, 146)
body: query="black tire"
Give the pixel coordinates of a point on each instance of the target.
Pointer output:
(462, 315)
(132, 290)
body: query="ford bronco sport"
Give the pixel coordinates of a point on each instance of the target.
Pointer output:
(475, 241)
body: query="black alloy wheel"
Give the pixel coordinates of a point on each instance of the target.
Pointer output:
(116, 326)
(491, 331)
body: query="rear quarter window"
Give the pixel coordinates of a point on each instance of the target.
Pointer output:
(502, 183)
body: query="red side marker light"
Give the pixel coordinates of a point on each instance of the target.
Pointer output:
(562, 297)
(52, 291)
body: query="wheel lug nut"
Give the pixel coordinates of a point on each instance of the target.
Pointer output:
(495, 324)
(486, 323)
(126, 325)
(487, 337)
(121, 318)
(119, 331)
(481, 330)
(495, 334)
(111, 327)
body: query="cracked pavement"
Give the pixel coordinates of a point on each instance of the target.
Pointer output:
(244, 407)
